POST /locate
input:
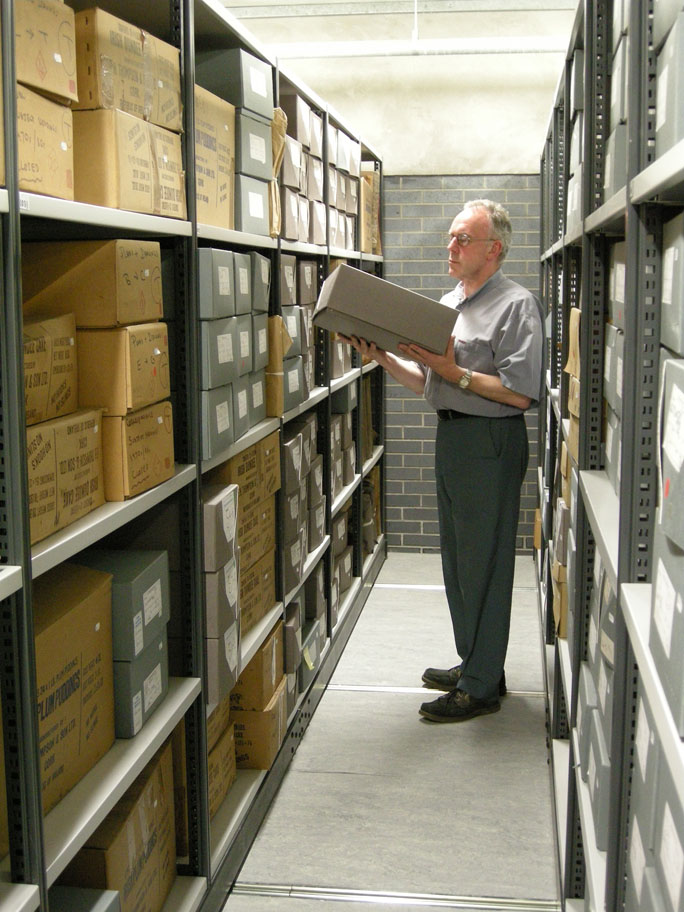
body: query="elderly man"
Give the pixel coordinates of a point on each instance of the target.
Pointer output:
(491, 372)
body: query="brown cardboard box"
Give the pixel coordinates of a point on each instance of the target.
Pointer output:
(259, 680)
(574, 396)
(50, 376)
(256, 532)
(72, 610)
(217, 722)
(65, 472)
(573, 439)
(559, 584)
(222, 769)
(137, 451)
(573, 363)
(45, 149)
(45, 47)
(279, 343)
(119, 162)
(257, 591)
(104, 283)
(269, 464)
(214, 159)
(134, 848)
(245, 470)
(353, 302)
(121, 66)
(258, 735)
(370, 204)
(124, 369)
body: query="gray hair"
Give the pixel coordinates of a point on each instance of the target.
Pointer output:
(499, 221)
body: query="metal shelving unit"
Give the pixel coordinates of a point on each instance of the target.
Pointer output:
(615, 527)
(41, 849)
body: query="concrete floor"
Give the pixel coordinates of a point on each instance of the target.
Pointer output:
(381, 809)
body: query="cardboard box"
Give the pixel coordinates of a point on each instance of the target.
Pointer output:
(243, 283)
(259, 735)
(217, 721)
(222, 770)
(311, 654)
(258, 681)
(103, 283)
(259, 341)
(45, 149)
(125, 163)
(257, 591)
(241, 399)
(216, 283)
(45, 47)
(50, 368)
(616, 282)
(124, 369)
(253, 153)
(243, 335)
(134, 848)
(219, 352)
(140, 686)
(138, 451)
(298, 118)
(214, 159)
(72, 611)
(317, 223)
(560, 598)
(65, 470)
(261, 281)
(672, 451)
(256, 532)
(572, 365)
(140, 596)
(240, 77)
(672, 286)
(217, 420)
(219, 521)
(221, 590)
(353, 302)
(252, 205)
(669, 79)
(615, 176)
(257, 398)
(122, 66)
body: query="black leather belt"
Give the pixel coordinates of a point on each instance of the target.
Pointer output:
(450, 414)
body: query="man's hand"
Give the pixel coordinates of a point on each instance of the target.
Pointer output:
(367, 349)
(442, 364)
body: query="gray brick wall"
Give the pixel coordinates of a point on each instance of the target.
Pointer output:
(417, 212)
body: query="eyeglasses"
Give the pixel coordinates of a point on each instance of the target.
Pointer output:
(463, 240)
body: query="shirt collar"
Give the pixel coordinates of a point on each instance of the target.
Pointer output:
(491, 282)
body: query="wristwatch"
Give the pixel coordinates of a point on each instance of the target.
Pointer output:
(464, 382)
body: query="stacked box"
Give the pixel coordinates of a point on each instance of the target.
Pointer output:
(616, 284)
(672, 286)
(670, 75)
(672, 450)
(140, 614)
(668, 837)
(214, 160)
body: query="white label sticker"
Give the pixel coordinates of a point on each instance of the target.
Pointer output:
(607, 363)
(225, 286)
(152, 688)
(293, 326)
(152, 601)
(265, 271)
(618, 378)
(242, 403)
(230, 646)
(672, 857)
(244, 343)
(228, 516)
(137, 712)
(222, 417)
(258, 394)
(230, 580)
(591, 770)
(294, 506)
(293, 380)
(347, 563)
(673, 443)
(296, 553)
(224, 345)
(602, 687)
(665, 600)
(257, 148)
(257, 82)
(620, 283)
(138, 633)
(243, 279)
(296, 451)
(262, 341)
(308, 276)
(256, 205)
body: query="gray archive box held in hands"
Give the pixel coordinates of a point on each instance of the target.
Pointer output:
(352, 302)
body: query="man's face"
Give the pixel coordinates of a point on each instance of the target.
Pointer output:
(476, 252)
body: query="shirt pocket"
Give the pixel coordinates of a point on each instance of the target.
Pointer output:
(476, 355)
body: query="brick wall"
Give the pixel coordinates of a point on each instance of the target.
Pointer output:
(417, 212)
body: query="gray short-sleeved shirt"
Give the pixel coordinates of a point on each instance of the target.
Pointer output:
(499, 330)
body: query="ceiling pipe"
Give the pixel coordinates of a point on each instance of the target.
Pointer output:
(424, 47)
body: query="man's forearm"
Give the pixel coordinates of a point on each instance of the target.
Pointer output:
(405, 372)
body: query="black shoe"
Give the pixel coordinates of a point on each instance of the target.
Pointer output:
(448, 678)
(457, 706)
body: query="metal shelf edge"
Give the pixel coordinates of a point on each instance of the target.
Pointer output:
(19, 898)
(594, 858)
(49, 207)
(348, 378)
(253, 435)
(230, 815)
(186, 894)
(373, 460)
(256, 636)
(665, 172)
(603, 509)
(11, 581)
(346, 493)
(231, 236)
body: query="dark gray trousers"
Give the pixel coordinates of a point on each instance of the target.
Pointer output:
(480, 465)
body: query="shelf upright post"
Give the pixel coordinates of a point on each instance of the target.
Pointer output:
(638, 463)
(18, 683)
(188, 435)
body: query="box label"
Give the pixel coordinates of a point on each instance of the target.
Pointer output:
(255, 205)
(244, 344)
(257, 82)
(152, 688)
(152, 602)
(242, 403)
(229, 518)
(258, 394)
(225, 286)
(138, 633)
(137, 712)
(222, 417)
(224, 344)
(664, 606)
(672, 857)
(673, 444)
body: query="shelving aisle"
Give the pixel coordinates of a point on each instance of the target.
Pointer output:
(380, 809)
